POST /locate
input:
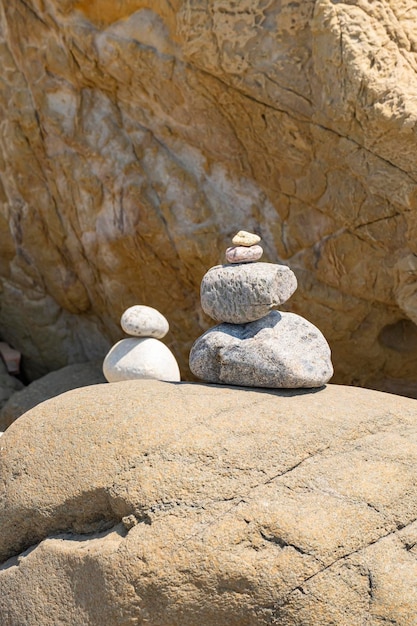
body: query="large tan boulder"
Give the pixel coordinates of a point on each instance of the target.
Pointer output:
(138, 136)
(21, 399)
(145, 502)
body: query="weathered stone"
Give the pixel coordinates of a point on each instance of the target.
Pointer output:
(242, 293)
(299, 511)
(279, 350)
(144, 321)
(10, 357)
(131, 359)
(49, 386)
(137, 136)
(9, 385)
(243, 238)
(243, 254)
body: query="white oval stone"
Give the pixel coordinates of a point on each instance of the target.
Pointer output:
(144, 321)
(243, 254)
(243, 238)
(131, 359)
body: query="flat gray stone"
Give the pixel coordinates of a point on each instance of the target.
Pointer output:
(282, 350)
(238, 294)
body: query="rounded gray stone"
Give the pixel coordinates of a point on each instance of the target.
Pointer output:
(282, 350)
(144, 321)
(238, 294)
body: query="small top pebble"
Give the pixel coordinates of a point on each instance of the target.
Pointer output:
(243, 238)
(144, 321)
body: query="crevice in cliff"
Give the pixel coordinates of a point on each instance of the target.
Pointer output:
(362, 147)
(32, 11)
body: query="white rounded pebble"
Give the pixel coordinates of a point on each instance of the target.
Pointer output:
(144, 321)
(243, 238)
(131, 359)
(243, 254)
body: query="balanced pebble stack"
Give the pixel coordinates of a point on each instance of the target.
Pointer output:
(142, 355)
(256, 346)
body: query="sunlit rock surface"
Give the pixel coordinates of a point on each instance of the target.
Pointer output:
(138, 137)
(143, 502)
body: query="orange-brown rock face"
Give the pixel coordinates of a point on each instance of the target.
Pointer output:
(138, 137)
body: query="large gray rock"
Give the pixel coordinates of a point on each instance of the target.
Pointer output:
(49, 386)
(279, 350)
(243, 293)
(223, 506)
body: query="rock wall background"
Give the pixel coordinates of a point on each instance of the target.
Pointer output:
(138, 137)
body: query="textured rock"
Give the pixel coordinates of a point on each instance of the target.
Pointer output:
(9, 385)
(244, 293)
(137, 137)
(243, 254)
(10, 357)
(279, 350)
(300, 510)
(144, 321)
(140, 358)
(243, 238)
(49, 386)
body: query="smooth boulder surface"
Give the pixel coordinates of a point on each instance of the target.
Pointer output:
(49, 386)
(238, 294)
(279, 350)
(139, 135)
(199, 504)
(135, 358)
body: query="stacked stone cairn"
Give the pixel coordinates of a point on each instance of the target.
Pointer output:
(256, 346)
(142, 355)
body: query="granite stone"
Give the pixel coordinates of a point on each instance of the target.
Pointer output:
(282, 350)
(243, 293)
